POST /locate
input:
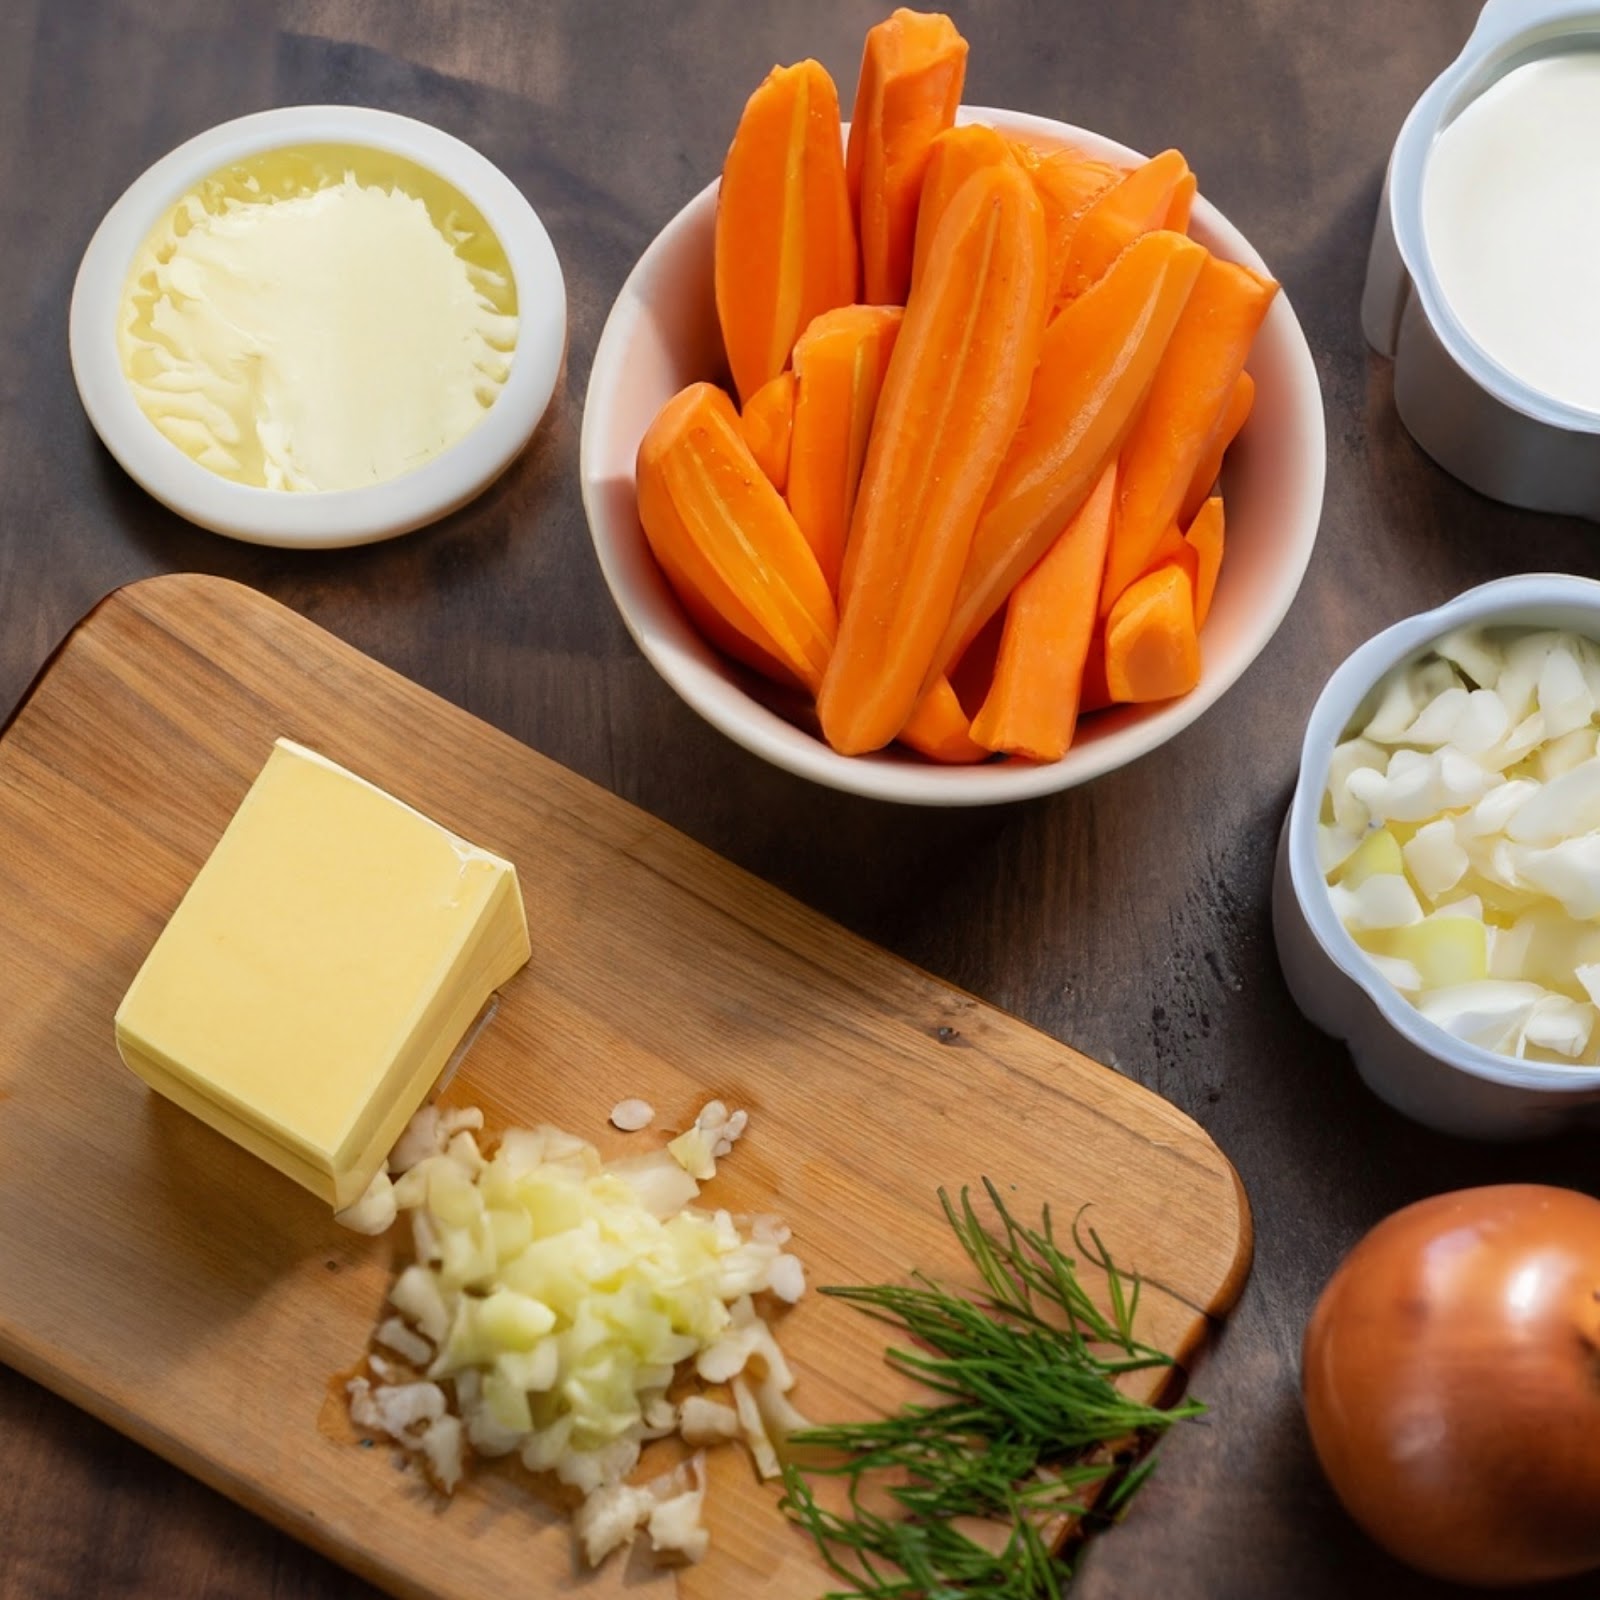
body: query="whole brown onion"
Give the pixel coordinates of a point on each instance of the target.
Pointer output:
(1452, 1384)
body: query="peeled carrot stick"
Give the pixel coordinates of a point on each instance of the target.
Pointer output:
(1191, 391)
(1233, 418)
(1172, 549)
(1205, 537)
(1136, 204)
(767, 423)
(938, 728)
(912, 69)
(839, 365)
(716, 523)
(1066, 181)
(1152, 646)
(956, 387)
(785, 236)
(1032, 707)
(1182, 203)
(1096, 365)
(952, 158)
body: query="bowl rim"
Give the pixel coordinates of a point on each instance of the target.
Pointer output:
(696, 674)
(324, 519)
(1503, 600)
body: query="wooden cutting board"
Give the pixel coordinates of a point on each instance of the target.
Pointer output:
(183, 1291)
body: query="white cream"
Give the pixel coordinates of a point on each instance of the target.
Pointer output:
(329, 338)
(1511, 211)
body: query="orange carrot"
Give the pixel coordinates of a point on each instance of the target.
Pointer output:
(972, 675)
(839, 363)
(1182, 203)
(718, 526)
(767, 423)
(912, 69)
(1192, 388)
(1172, 549)
(1204, 536)
(1032, 708)
(1137, 204)
(1096, 365)
(1152, 646)
(785, 237)
(938, 728)
(955, 390)
(952, 158)
(1066, 181)
(1233, 418)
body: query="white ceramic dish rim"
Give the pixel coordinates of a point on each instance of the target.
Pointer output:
(334, 518)
(1330, 717)
(1508, 33)
(693, 670)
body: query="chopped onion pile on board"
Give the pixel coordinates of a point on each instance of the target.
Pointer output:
(1460, 836)
(553, 1303)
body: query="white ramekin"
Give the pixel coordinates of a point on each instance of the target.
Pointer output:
(1406, 1060)
(344, 516)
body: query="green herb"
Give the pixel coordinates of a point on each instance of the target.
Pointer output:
(1026, 1424)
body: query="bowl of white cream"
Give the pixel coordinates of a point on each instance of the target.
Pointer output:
(318, 326)
(1436, 903)
(1481, 281)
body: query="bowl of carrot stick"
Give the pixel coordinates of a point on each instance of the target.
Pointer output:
(948, 455)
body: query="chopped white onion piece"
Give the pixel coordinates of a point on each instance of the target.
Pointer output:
(396, 1336)
(1434, 858)
(375, 1211)
(1385, 900)
(632, 1115)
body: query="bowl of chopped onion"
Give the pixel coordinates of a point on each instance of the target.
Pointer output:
(1437, 897)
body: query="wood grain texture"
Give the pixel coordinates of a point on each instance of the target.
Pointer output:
(1129, 917)
(197, 1300)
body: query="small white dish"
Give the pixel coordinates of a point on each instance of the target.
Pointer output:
(662, 334)
(1406, 1060)
(347, 516)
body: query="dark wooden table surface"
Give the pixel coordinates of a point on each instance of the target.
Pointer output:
(1129, 917)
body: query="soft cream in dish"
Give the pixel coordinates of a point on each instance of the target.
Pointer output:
(318, 317)
(1460, 835)
(318, 326)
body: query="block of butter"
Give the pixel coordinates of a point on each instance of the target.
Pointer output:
(320, 971)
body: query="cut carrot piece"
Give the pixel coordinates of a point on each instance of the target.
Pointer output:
(767, 423)
(717, 525)
(1066, 181)
(1096, 365)
(1205, 536)
(1173, 550)
(1192, 388)
(953, 157)
(839, 365)
(938, 728)
(785, 237)
(1152, 645)
(972, 675)
(1095, 696)
(955, 390)
(1137, 204)
(1226, 431)
(1182, 203)
(1032, 708)
(912, 69)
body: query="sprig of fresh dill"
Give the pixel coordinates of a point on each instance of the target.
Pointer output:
(1026, 1427)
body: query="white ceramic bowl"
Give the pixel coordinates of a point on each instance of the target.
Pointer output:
(345, 516)
(662, 334)
(1406, 1060)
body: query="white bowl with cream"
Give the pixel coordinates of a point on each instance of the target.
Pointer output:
(1481, 279)
(1406, 1059)
(318, 326)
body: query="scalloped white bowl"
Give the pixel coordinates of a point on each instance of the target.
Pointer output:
(662, 335)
